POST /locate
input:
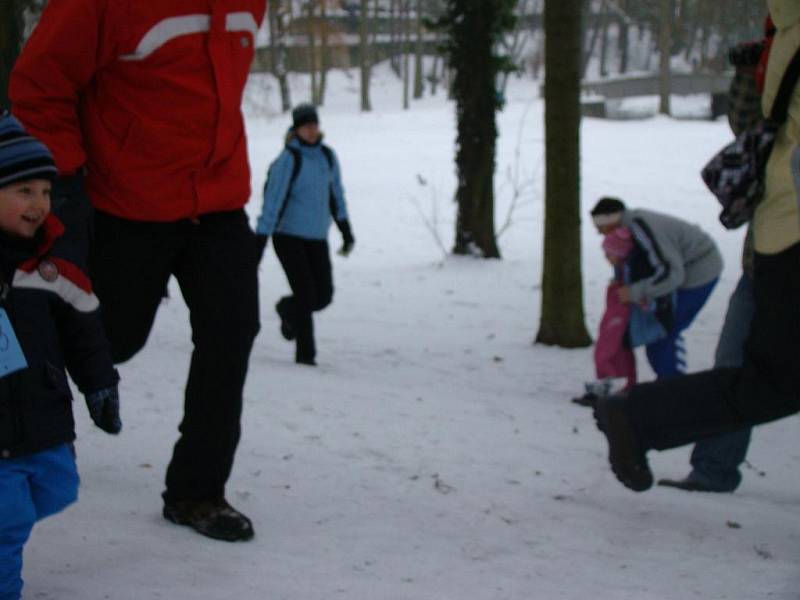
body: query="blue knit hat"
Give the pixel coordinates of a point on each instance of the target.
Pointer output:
(22, 156)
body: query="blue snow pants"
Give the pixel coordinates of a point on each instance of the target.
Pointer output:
(716, 460)
(667, 357)
(31, 488)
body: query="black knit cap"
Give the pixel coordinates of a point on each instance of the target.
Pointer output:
(608, 205)
(303, 114)
(22, 156)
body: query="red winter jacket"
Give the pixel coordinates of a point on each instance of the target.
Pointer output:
(146, 95)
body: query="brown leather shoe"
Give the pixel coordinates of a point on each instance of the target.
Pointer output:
(212, 518)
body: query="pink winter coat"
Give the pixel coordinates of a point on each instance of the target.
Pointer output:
(612, 357)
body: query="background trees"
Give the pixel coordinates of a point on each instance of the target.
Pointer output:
(474, 48)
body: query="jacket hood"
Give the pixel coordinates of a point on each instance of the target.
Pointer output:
(784, 13)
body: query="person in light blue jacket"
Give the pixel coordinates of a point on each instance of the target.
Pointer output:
(303, 194)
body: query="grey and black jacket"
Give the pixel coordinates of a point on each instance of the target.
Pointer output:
(671, 255)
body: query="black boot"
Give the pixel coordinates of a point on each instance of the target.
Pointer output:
(625, 453)
(305, 347)
(212, 518)
(284, 311)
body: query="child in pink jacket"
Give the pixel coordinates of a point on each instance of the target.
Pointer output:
(613, 356)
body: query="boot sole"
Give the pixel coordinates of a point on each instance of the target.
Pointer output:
(623, 455)
(178, 520)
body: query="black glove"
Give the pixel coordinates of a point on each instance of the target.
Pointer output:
(70, 203)
(348, 241)
(261, 244)
(103, 407)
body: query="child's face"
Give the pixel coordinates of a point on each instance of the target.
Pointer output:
(24, 205)
(615, 260)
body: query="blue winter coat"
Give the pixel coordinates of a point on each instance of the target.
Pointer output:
(306, 209)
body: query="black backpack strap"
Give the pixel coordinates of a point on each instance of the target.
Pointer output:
(326, 150)
(780, 106)
(298, 164)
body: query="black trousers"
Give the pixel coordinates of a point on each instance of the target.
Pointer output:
(214, 261)
(678, 411)
(307, 264)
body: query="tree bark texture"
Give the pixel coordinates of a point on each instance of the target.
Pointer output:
(364, 56)
(419, 85)
(665, 52)
(11, 34)
(406, 37)
(324, 56)
(475, 30)
(312, 54)
(562, 316)
(277, 41)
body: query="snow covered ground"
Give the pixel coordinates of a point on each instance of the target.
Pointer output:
(434, 453)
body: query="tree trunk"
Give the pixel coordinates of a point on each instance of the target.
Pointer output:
(604, 45)
(364, 56)
(517, 41)
(418, 75)
(623, 33)
(665, 50)
(325, 58)
(12, 28)
(434, 76)
(562, 318)
(395, 35)
(587, 56)
(312, 54)
(475, 35)
(406, 45)
(277, 43)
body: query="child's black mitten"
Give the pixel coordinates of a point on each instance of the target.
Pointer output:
(103, 408)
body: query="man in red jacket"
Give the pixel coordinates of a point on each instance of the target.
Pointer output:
(140, 104)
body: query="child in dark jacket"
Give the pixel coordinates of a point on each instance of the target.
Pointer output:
(49, 323)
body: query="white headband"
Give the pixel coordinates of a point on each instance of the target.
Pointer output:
(607, 219)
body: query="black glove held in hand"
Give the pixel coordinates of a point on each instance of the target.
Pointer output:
(104, 409)
(71, 205)
(348, 241)
(261, 244)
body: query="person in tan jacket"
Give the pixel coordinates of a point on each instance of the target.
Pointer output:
(671, 413)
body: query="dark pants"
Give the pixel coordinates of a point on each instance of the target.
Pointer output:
(674, 412)
(715, 461)
(307, 265)
(214, 261)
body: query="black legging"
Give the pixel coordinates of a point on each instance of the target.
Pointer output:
(307, 265)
